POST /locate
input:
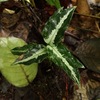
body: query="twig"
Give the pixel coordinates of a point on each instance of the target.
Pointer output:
(88, 30)
(70, 34)
(92, 16)
(97, 25)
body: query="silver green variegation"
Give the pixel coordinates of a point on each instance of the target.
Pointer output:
(35, 53)
(54, 49)
(57, 24)
(22, 50)
(59, 57)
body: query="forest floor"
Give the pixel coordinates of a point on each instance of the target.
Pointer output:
(51, 83)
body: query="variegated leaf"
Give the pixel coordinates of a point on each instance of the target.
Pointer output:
(57, 24)
(69, 57)
(23, 49)
(58, 57)
(36, 54)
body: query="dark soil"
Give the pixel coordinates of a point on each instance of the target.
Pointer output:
(51, 83)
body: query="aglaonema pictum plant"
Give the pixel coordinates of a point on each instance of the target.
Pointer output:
(54, 49)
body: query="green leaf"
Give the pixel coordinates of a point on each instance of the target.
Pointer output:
(36, 53)
(55, 3)
(57, 24)
(3, 0)
(22, 50)
(58, 57)
(52, 34)
(69, 57)
(18, 75)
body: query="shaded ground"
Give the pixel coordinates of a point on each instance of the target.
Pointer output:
(51, 83)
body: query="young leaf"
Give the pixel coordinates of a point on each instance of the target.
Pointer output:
(18, 75)
(58, 57)
(69, 57)
(52, 34)
(22, 50)
(55, 3)
(36, 53)
(57, 24)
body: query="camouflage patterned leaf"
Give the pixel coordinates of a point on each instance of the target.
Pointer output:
(56, 25)
(60, 56)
